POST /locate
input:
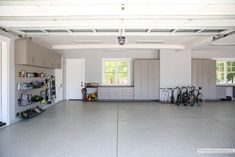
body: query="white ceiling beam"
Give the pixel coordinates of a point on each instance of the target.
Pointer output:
(116, 46)
(198, 42)
(116, 34)
(80, 2)
(115, 9)
(31, 17)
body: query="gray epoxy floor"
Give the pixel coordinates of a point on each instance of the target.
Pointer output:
(122, 129)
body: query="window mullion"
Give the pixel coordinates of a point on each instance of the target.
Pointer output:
(116, 73)
(225, 72)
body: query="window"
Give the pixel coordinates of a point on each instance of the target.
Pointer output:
(116, 71)
(225, 72)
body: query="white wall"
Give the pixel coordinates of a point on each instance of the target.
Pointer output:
(93, 61)
(175, 68)
(210, 54)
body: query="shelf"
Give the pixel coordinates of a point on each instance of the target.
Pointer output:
(32, 89)
(23, 108)
(30, 77)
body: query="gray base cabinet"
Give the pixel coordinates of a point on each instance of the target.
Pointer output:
(146, 79)
(204, 75)
(115, 93)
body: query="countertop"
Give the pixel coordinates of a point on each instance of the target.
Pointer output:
(117, 86)
(226, 85)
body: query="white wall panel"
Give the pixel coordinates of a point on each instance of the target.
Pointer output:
(175, 68)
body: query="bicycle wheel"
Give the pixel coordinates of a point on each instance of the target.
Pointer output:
(185, 100)
(200, 99)
(178, 100)
(192, 100)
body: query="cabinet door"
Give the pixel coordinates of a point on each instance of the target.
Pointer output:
(206, 78)
(31, 54)
(144, 79)
(194, 73)
(45, 57)
(212, 79)
(199, 73)
(151, 79)
(128, 93)
(35, 54)
(58, 61)
(51, 59)
(115, 93)
(118, 93)
(20, 51)
(137, 79)
(103, 93)
(112, 93)
(156, 84)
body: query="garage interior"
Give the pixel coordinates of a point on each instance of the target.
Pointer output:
(118, 78)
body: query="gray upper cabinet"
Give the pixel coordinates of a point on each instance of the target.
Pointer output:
(146, 79)
(30, 53)
(204, 75)
(57, 61)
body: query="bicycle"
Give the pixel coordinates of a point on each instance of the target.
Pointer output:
(199, 97)
(196, 97)
(179, 96)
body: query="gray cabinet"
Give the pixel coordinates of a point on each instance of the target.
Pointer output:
(103, 93)
(204, 75)
(146, 79)
(115, 93)
(127, 93)
(220, 92)
(30, 53)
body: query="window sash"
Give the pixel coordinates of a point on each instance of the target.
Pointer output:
(226, 70)
(116, 73)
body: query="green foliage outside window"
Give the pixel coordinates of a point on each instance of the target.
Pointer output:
(225, 72)
(116, 72)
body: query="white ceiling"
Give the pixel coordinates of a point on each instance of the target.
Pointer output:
(190, 21)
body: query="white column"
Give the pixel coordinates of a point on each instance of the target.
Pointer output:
(175, 68)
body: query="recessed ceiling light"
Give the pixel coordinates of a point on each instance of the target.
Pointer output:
(150, 41)
(222, 44)
(88, 41)
(56, 31)
(161, 30)
(32, 31)
(186, 30)
(212, 30)
(116, 49)
(107, 30)
(136, 30)
(81, 30)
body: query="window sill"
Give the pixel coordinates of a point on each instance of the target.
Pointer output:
(116, 86)
(225, 85)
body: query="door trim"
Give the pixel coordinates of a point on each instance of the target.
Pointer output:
(6, 60)
(83, 70)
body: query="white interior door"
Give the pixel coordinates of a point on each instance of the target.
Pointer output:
(75, 77)
(59, 87)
